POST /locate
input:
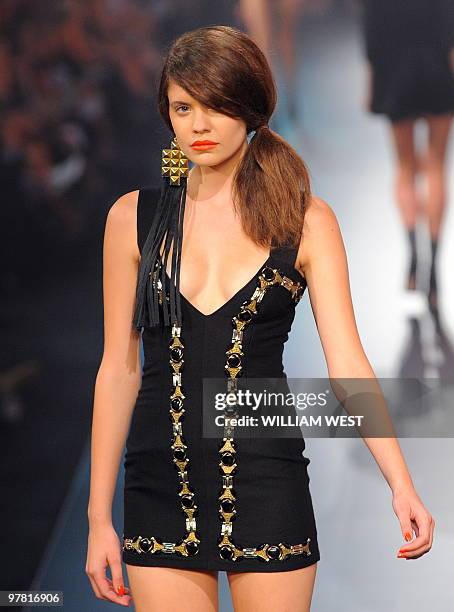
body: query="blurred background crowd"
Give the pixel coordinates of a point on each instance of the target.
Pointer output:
(76, 95)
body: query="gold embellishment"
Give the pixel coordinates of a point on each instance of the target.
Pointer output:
(228, 550)
(189, 546)
(175, 164)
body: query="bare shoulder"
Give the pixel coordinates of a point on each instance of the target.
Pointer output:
(321, 231)
(124, 209)
(121, 223)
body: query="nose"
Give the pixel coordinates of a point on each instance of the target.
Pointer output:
(201, 122)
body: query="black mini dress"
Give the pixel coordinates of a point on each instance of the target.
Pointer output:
(206, 503)
(407, 43)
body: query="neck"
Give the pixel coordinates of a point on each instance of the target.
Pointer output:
(209, 182)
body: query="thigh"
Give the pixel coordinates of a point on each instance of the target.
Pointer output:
(404, 143)
(168, 589)
(271, 591)
(438, 127)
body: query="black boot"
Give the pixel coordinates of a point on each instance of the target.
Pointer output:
(433, 286)
(411, 278)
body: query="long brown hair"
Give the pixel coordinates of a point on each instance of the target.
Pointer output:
(223, 68)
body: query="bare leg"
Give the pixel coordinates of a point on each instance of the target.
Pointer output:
(271, 591)
(289, 12)
(434, 166)
(405, 186)
(168, 589)
(255, 15)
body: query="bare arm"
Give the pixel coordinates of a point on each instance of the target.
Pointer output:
(323, 261)
(119, 375)
(116, 388)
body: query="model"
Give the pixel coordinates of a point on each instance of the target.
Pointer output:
(248, 238)
(411, 77)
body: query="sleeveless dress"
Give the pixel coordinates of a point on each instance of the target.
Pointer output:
(407, 44)
(204, 503)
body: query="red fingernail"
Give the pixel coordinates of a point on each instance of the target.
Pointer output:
(408, 536)
(400, 554)
(121, 590)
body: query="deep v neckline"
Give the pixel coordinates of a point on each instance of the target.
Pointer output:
(229, 300)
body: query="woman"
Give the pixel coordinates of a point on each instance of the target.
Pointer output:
(410, 52)
(238, 505)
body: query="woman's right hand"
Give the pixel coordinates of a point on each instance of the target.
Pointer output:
(104, 550)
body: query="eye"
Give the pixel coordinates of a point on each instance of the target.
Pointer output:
(181, 106)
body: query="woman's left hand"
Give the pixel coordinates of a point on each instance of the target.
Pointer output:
(413, 517)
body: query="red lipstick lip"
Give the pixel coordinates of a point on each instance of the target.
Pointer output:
(197, 143)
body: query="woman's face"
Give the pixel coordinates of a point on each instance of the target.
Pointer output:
(193, 122)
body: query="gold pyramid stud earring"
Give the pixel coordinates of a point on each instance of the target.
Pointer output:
(175, 164)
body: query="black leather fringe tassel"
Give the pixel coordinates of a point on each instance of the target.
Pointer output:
(167, 226)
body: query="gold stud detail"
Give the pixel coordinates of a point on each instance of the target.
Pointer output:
(228, 550)
(175, 164)
(188, 546)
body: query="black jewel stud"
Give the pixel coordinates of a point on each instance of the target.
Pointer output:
(176, 404)
(176, 353)
(192, 548)
(234, 360)
(145, 545)
(227, 458)
(179, 453)
(187, 501)
(227, 505)
(226, 552)
(268, 274)
(245, 315)
(273, 552)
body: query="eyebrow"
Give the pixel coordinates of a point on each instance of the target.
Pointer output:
(178, 102)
